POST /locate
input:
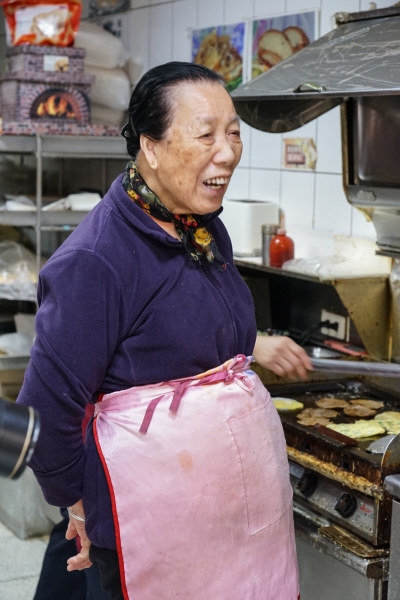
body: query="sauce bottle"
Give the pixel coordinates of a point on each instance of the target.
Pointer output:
(281, 249)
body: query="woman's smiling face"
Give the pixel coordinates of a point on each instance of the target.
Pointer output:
(190, 168)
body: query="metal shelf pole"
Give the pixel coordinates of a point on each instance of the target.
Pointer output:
(39, 178)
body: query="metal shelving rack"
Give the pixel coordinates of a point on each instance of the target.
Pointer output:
(73, 147)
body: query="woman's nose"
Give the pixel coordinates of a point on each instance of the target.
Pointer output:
(224, 152)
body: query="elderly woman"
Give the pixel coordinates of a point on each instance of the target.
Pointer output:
(182, 489)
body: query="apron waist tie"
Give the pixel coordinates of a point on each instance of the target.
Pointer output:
(232, 373)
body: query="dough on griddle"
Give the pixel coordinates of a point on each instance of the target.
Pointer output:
(359, 411)
(318, 412)
(390, 420)
(287, 404)
(331, 403)
(368, 403)
(314, 420)
(359, 429)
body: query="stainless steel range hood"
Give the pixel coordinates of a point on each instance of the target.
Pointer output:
(361, 57)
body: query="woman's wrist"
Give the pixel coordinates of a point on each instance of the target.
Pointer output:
(75, 516)
(76, 511)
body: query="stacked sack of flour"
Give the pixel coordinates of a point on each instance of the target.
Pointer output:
(105, 57)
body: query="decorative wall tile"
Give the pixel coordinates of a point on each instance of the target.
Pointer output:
(160, 34)
(265, 185)
(184, 16)
(329, 142)
(332, 211)
(297, 199)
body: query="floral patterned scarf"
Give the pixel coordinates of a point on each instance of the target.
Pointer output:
(196, 240)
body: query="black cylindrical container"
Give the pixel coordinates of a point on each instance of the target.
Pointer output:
(19, 431)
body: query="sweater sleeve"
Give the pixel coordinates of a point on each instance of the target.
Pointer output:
(79, 326)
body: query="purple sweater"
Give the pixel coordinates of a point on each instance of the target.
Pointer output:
(121, 304)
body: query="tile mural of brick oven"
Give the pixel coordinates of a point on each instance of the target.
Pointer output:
(45, 85)
(49, 101)
(25, 100)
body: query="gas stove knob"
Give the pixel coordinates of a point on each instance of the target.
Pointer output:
(307, 484)
(346, 505)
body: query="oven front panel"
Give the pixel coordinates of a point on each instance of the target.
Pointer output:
(360, 512)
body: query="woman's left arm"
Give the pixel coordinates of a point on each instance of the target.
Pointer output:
(283, 356)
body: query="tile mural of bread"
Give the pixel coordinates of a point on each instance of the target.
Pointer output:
(217, 51)
(272, 43)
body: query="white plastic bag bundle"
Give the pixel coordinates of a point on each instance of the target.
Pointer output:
(111, 87)
(101, 115)
(16, 344)
(18, 277)
(102, 48)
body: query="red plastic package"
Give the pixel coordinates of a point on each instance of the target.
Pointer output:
(42, 22)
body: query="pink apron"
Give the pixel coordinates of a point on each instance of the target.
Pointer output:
(199, 481)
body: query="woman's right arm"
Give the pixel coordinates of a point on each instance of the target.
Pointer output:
(78, 328)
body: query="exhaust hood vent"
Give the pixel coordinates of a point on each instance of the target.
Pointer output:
(361, 57)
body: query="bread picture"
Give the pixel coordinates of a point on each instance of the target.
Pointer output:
(217, 51)
(297, 38)
(277, 39)
(274, 46)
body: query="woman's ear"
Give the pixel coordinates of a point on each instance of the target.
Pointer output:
(148, 147)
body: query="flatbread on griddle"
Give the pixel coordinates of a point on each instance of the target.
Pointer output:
(389, 420)
(357, 430)
(331, 403)
(359, 411)
(311, 421)
(287, 404)
(375, 404)
(318, 412)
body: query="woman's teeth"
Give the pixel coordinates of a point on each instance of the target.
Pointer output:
(216, 182)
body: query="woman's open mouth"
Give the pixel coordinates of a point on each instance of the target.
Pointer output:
(216, 183)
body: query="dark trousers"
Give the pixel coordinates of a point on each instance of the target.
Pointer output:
(107, 562)
(55, 582)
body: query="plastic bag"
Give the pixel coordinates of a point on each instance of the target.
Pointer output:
(103, 49)
(101, 115)
(16, 344)
(42, 22)
(111, 88)
(18, 278)
(332, 267)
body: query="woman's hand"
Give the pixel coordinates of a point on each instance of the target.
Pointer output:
(282, 355)
(76, 527)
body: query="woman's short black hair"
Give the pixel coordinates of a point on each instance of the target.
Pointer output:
(149, 107)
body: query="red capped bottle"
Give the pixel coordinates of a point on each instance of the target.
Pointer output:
(281, 249)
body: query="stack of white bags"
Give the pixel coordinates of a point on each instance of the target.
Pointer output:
(105, 57)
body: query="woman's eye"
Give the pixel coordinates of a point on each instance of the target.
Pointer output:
(235, 133)
(206, 135)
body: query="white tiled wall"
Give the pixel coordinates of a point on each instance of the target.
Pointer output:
(161, 31)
